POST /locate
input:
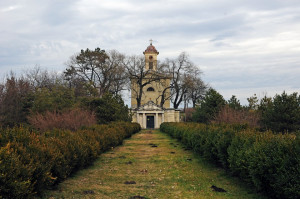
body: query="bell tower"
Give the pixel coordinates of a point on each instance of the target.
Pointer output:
(154, 106)
(151, 57)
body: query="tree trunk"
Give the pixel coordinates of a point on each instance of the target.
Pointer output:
(139, 97)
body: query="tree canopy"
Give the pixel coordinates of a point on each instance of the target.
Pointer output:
(186, 83)
(101, 76)
(100, 71)
(109, 108)
(209, 106)
(282, 113)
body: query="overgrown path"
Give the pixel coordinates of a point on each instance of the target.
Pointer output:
(151, 165)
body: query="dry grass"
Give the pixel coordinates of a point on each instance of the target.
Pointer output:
(150, 165)
(72, 119)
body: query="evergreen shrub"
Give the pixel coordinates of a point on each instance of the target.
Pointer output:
(270, 162)
(31, 162)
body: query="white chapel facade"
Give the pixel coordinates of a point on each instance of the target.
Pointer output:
(150, 114)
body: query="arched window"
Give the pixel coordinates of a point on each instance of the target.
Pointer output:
(150, 89)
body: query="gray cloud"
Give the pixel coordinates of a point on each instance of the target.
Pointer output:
(243, 47)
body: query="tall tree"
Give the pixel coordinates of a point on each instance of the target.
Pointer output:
(253, 102)
(109, 108)
(209, 107)
(118, 73)
(140, 77)
(234, 103)
(197, 89)
(184, 76)
(101, 71)
(282, 113)
(15, 100)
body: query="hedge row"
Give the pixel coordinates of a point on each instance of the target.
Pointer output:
(31, 162)
(270, 162)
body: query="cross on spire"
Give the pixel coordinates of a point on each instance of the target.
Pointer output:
(151, 41)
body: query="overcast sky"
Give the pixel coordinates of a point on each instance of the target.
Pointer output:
(242, 46)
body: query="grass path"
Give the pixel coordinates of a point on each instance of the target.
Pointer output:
(150, 165)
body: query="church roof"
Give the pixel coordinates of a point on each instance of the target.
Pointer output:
(151, 49)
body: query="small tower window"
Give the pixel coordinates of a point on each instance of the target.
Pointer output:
(150, 89)
(151, 65)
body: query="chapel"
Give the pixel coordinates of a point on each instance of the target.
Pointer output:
(151, 112)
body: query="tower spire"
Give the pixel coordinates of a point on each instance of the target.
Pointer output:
(151, 41)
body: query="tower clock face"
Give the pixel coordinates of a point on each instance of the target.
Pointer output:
(150, 57)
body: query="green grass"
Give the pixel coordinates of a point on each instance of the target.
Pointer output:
(166, 171)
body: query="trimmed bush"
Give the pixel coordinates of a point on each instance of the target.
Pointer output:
(31, 162)
(270, 162)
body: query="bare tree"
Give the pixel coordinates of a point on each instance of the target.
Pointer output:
(165, 95)
(181, 71)
(197, 90)
(118, 77)
(40, 78)
(140, 77)
(186, 83)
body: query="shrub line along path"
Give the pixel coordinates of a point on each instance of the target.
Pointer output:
(151, 165)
